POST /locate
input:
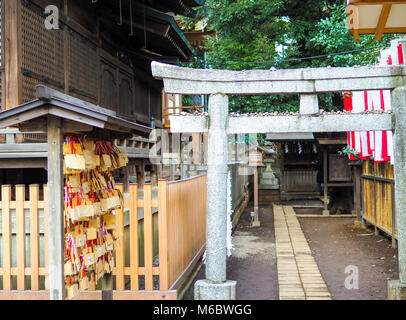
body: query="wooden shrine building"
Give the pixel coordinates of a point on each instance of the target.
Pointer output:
(100, 54)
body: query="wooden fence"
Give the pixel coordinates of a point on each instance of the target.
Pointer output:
(162, 232)
(378, 192)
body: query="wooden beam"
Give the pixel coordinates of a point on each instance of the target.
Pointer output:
(92, 295)
(332, 141)
(56, 209)
(382, 21)
(13, 53)
(385, 30)
(23, 148)
(14, 163)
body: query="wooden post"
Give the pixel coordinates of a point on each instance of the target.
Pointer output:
(12, 47)
(357, 192)
(20, 222)
(148, 238)
(141, 175)
(256, 222)
(375, 210)
(325, 180)
(34, 236)
(7, 236)
(107, 286)
(107, 280)
(56, 208)
(134, 249)
(172, 172)
(126, 182)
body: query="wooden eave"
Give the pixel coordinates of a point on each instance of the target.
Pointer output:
(183, 7)
(376, 17)
(52, 103)
(155, 30)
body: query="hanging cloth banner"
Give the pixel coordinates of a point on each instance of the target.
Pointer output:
(377, 145)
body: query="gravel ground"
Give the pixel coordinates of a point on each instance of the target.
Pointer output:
(253, 263)
(337, 243)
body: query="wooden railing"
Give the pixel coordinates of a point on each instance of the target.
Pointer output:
(172, 105)
(162, 236)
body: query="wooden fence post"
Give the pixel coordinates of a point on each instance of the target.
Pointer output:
(46, 236)
(7, 240)
(148, 237)
(134, 250)
(163, 235)
(20, 229)
(34, 236)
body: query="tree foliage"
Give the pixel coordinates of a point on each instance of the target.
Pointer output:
(263, 34)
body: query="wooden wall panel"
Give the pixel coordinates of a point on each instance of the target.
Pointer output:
(141, 99)
(109, 94)
(126, 95)
(42, 57)
(70, 60)
(83, 68)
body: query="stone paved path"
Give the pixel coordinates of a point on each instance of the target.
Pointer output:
(298, 274)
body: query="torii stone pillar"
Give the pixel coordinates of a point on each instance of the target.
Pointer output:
(397, 288)
(216, 286)
(308, 83)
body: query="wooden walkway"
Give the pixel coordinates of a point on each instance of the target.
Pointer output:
(298, 274)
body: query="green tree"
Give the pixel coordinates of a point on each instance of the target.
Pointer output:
(282, 34)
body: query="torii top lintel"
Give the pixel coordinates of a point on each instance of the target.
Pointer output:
(181, 80)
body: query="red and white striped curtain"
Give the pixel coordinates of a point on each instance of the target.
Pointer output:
(377, 145)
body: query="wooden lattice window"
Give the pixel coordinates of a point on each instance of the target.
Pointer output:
(42, 54)
(83, 71)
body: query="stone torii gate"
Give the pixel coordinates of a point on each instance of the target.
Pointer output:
(308, 83)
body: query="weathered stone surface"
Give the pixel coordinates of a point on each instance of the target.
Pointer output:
(312, 80)
(399, 107)
(310, 123)
(309, 104)
(207, 290)
(162, 70)
(396, 290)
(217, 171)
(287, 124)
